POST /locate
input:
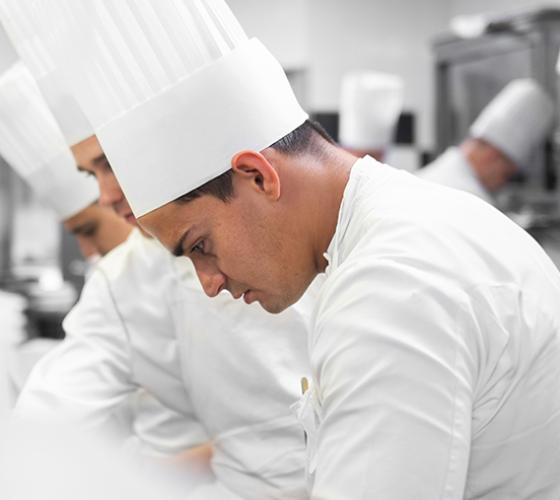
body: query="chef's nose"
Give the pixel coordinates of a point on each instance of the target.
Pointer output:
(213, 281)
(109, 190)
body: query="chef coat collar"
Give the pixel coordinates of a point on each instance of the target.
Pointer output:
(364, 170)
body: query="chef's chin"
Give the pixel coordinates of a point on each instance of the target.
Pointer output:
(273, 305)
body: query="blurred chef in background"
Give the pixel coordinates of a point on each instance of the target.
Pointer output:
(143, 320)
(32, 144)
(47, 166)
(501, 141)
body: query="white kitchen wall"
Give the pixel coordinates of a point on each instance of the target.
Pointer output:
(281, 24)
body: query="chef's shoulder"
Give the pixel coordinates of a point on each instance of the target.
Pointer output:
(399, 264)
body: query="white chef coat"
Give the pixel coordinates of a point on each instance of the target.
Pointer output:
(142, 422)
(452, 169)
(230, 371)
(435, 350)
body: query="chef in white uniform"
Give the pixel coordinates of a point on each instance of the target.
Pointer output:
(144, 321)
(32, 143)
(435, 342)
(501, 142)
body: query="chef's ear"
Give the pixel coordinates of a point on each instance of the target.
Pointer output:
(253, 167)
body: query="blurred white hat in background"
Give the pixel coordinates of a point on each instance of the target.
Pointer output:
(32, 143)
(516, 121)
(370, 105)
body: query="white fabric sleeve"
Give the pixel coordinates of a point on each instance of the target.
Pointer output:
(88, 376)
(395, 384)
(159, 431)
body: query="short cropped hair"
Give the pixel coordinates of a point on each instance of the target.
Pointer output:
(309, 137)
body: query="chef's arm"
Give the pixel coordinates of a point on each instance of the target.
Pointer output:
(395, 389)
(161, 432)
(88, 376)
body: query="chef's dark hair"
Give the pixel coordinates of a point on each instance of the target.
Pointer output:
(309, 137)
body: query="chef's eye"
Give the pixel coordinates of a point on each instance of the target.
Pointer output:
(89, 231)
(198, 248)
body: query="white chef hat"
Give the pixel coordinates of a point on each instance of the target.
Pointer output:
(31, 142)
(370, 105)
(27, 31)
(516, 121)
(173, 89)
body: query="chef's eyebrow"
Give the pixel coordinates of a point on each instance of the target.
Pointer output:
(178, 248)
(84, 228)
